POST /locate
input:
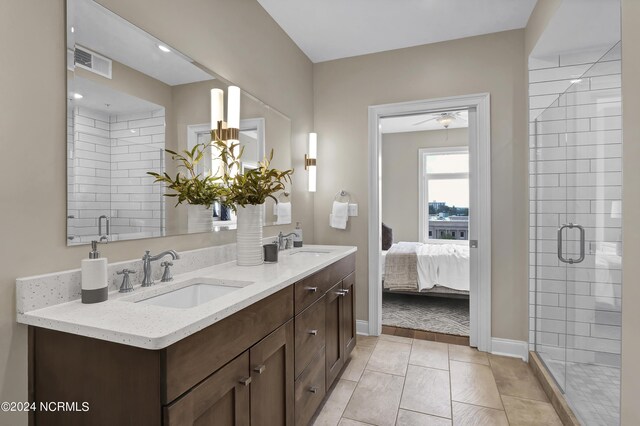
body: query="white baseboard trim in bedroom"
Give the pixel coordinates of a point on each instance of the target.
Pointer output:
(512, 348)
(362, 327)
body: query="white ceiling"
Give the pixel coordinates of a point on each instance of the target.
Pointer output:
(408, 123)
(333, 29)
(580, 26)
(100, 30)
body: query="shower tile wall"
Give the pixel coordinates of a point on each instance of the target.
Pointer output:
(578, 307)
(89, 150)
(107, 175)
(137, 144)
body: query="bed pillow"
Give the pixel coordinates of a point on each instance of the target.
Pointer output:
(387, 237)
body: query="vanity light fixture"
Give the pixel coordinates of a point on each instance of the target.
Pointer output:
(233, 122)
(225, 130)
(310, 161)
(165, 49)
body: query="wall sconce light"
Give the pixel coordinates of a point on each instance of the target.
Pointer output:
(310, 160)
(229, 130)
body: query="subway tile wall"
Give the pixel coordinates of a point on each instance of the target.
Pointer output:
(575, 175)
(109, 157)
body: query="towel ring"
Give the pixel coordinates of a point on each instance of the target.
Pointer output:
(285, 194)
(342, 193)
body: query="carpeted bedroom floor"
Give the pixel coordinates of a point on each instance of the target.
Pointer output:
(436, 314)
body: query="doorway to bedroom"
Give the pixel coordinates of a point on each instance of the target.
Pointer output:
(435, 180)
(425, 225)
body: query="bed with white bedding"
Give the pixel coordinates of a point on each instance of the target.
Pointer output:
(435, 268)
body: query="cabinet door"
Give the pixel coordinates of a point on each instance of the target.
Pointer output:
(333, 333)
(221, 399)
(349, 313)
(272, 391)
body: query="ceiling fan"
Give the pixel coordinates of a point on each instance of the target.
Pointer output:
(443, 118)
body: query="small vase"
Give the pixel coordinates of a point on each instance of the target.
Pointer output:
(249, 235)
(199, 218)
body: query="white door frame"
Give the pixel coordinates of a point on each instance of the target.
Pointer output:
(479, 203)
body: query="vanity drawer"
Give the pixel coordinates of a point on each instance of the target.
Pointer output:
(192, 359)
(312, 288)
(341, 269)
(309, 334)
(310, 389)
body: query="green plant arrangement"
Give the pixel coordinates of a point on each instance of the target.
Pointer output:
(252, 187)
(192, 187)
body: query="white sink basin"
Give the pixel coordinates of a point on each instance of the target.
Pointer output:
(190, 296)
(309, 252)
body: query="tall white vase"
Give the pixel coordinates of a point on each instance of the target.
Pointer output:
(249, 235)
(199, 218)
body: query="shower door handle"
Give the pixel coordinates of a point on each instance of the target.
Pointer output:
(106, 218)
(560, 244)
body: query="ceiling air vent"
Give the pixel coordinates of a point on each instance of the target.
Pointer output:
(85, 58)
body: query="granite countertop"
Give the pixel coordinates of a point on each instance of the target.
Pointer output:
(148, 326)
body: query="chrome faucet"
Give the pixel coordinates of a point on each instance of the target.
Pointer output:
(146, 264)
(282, 244)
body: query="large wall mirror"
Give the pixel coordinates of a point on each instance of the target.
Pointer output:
(130, 96)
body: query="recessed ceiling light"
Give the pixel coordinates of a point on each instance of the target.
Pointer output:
(164, 48)
(77, 96)
(577, 80)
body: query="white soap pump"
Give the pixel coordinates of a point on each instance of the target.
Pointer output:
(95, 284)
(297, 238)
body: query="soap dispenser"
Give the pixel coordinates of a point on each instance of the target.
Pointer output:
(95, 284)
(297, 238)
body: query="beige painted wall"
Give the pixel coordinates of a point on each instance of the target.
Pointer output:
(494, 63)
(400, 170)
(243, 44)
(631, 205)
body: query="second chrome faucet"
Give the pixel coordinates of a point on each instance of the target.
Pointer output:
(147, 279)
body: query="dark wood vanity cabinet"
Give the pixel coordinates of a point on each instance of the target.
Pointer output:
(334, 354)
(349, 313)
(268, 364)
(272, 361)
(340, 326)
(222, 399)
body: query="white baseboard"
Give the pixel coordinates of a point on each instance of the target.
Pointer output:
(512, 348)
(362, 327)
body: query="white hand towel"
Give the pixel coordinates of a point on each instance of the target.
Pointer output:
(339, 215)
(283, 211)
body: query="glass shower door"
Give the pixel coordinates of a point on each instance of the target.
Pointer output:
(591, 247)
(577, 199)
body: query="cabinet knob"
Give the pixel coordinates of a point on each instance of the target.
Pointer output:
(345, 291)
(260, 369)
(245, 381)
(312, 289)
(313, 389)
(313, 332)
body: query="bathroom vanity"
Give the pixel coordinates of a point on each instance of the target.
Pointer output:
(264, 353)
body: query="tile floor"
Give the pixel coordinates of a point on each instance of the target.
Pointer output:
(393, 380)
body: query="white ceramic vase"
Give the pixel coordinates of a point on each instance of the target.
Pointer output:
(199, 218)
(249, 235)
